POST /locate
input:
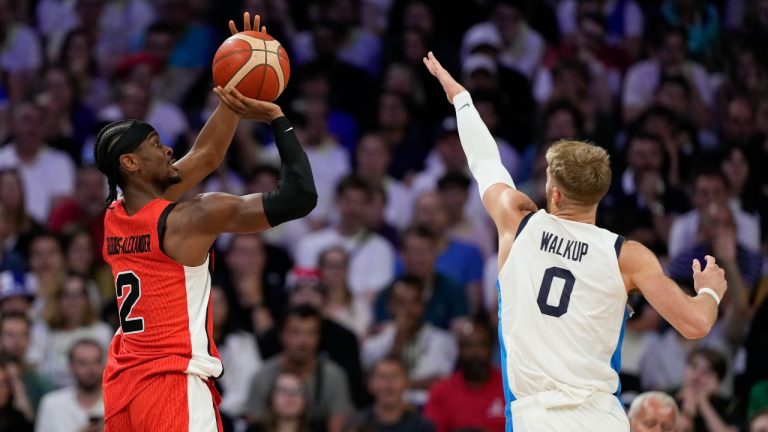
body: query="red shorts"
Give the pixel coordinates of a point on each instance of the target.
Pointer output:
(171, 403)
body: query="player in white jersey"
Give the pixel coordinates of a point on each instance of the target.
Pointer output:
(563, 283)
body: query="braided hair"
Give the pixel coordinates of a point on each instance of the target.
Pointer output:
(113, 141)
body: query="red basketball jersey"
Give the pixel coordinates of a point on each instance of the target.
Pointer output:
(164, 307)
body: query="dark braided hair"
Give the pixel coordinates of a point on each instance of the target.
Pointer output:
(114, 140)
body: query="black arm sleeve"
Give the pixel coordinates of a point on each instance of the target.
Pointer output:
(296, 195)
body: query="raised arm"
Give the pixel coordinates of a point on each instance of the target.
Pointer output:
(194, 225)
(506, 205)
(692, 317)
(211, 145)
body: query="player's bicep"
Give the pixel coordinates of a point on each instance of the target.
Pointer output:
(507, 207)
(216, 212)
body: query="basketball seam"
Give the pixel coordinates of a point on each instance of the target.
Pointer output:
(264, 73)
(252, 50)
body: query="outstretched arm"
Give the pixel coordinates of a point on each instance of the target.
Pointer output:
(506, 205)
(692, 317)
(211, 145)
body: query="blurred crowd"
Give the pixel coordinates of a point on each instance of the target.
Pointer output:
(377, 312)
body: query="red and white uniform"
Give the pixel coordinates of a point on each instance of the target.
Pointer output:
(162, 359)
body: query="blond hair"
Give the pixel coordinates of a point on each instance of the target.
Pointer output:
(580, 170)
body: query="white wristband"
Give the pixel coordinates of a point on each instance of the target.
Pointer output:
(709, 292)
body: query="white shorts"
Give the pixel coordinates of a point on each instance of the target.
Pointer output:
(601, 412)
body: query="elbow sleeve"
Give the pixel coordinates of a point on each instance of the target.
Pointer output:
(296, 195)
(479, 145)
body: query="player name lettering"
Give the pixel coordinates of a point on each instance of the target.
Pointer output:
(571, 249)
(128, 245)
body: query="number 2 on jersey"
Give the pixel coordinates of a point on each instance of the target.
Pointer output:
(565, 297)
(130, 280)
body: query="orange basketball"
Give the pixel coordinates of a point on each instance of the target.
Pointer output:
(254, 63)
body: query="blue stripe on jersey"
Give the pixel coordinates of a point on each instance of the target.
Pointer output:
(616, 357)
(509, 397)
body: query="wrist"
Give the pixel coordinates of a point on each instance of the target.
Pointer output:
(709, 292)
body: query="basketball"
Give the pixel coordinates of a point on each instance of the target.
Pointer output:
(254, 63)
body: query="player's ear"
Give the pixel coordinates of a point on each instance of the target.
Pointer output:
(129, 162)
(557, 196)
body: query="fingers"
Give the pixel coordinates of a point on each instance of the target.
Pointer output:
(232, 27)
(247, 21)
(263, 29)
(710, 261)
(235, 93)
(230, 101)
(696, 266)
(256, 22)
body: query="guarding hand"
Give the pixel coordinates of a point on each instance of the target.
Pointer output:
(712, 277)
(450, 86)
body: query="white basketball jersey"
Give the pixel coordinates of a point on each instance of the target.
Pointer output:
(562, 307)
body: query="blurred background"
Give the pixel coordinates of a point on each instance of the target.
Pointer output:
(378, 310)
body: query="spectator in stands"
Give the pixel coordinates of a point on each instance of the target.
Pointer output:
(47, 269)
(473, 396)
(522, 47)
(329, 403)
(738, 127)
(446, 301)
(388, 382)
(254, 273)
(710, 193)
(759, 422)
(239, 354)
(701, 21)
(84, 211)
(10, 260)
(69, 316)
(337, 342)
(428, 352)
(376, 219)
(372, 258)
(373, 159)
(136, 102)
(121, 24)
(625, 21)
(641, 331)
(81, 260)
(353, 43)
(47, 174)
(67, 121)
(21, 226)
(79, 406)
(287, 406)
(20, 54)
(16, 413)
(457, 260)
(653, 411)
(404, 134)
(353, 312)
(641, 203)
(668, 58)
(78, 57)
(14, 342)
(454, 189)
(16, 294)
(701, 409)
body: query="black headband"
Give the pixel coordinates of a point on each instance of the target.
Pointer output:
(136, 133)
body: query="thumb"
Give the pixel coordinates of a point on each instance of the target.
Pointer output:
(696, 266)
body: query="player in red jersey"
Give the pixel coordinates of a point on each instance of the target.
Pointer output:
(162, 359)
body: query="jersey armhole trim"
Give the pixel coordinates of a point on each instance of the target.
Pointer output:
(161, 225)
(523, 223)
(619, 243)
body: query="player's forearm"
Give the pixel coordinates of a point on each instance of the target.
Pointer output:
(296, 194)
(214, 139)
(479, 145)
(700, 318)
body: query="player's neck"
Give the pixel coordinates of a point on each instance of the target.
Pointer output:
(135, 198)
(576, 213)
